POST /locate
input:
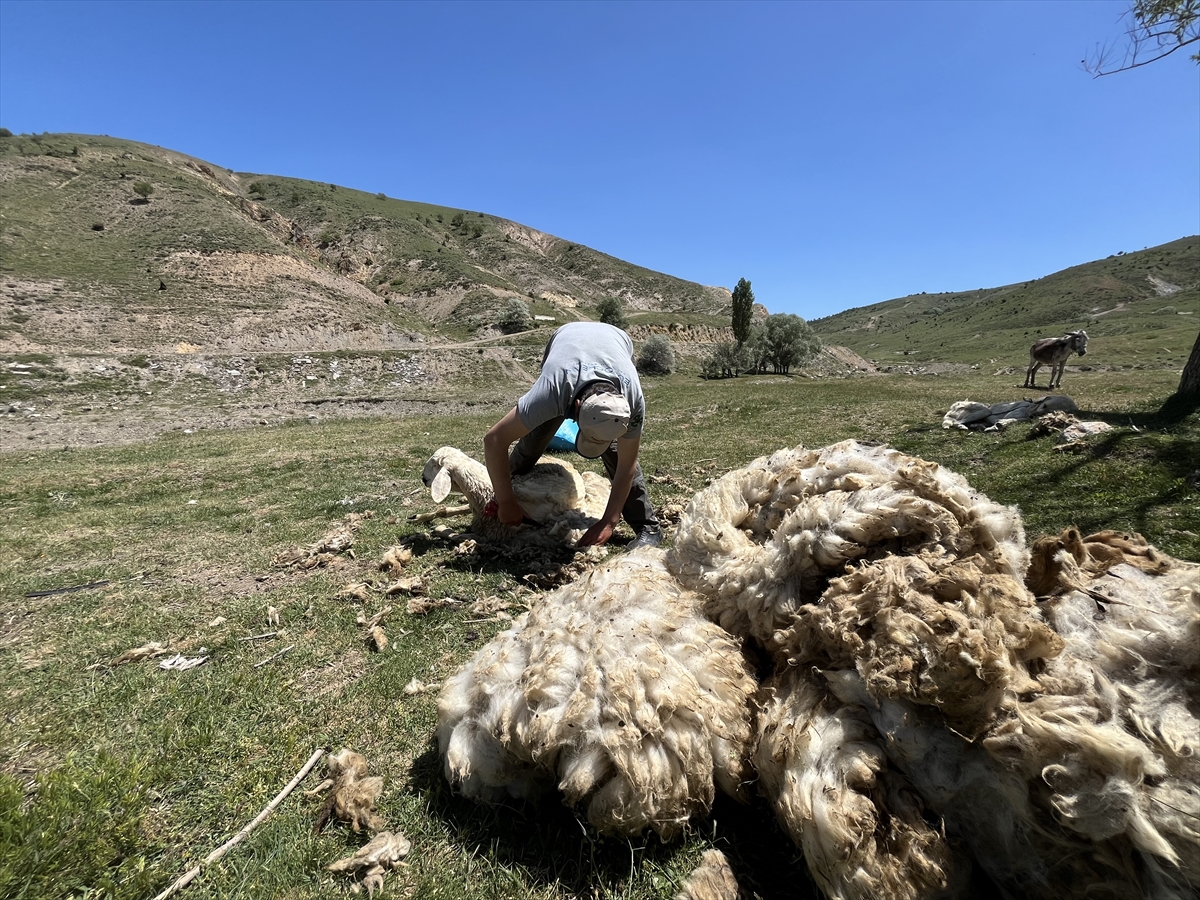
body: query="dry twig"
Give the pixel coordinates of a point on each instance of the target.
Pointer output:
(191, 874)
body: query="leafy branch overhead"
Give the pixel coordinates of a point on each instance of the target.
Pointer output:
(1157, 28)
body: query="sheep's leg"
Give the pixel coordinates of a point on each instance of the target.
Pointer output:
(441, 512)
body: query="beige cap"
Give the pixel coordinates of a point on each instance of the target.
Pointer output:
(602, 419)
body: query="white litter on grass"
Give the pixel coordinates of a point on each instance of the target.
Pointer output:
(181, 663)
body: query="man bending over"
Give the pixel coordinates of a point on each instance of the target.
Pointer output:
(587, 375)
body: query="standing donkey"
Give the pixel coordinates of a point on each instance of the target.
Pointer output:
(1054, 352)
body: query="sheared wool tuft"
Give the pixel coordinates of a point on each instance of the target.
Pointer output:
(929, 628)
(763, 540)
(615, 688)
(858, 820)
(713, 879)
(1094, 555)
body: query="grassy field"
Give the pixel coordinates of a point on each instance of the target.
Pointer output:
(115, 780)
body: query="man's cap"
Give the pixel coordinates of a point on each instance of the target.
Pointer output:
(603, 417)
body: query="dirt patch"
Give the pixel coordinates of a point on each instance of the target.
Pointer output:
(336, 675)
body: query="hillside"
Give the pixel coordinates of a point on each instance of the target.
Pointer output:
(1139, 309)
(241, 263)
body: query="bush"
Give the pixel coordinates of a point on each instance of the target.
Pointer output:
(516, 317)
(609, 311)
(725, 361)
(327, 237)
(143, 189)
(257, 188)
(4, 132)
(657, 357)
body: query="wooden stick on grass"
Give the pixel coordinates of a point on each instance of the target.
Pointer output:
(190, 876)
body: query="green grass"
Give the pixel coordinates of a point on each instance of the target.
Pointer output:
(115, 781)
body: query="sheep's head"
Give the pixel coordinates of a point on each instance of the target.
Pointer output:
(451, 469)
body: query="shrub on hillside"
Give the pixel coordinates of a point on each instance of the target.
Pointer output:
(516, 317)
(657, 356)
(610, 312)
(143, 189)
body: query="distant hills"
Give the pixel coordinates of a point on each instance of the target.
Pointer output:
(1139, 309)
(229, 262)
(120, 248)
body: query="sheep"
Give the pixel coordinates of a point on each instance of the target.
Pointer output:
(553, 495)
(616, 689)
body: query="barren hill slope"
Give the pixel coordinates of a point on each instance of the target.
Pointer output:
(238, 263)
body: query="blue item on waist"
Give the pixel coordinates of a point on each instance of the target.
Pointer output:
(564, 438)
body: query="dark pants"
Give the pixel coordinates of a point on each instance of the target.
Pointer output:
(638, 511)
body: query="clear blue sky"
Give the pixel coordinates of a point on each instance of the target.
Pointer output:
(834, 154)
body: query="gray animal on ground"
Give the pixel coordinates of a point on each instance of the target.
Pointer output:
(1054, 352)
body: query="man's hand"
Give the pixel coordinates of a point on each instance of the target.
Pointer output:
(510, 513)
(597, 534)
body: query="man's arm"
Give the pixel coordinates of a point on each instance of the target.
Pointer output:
(627, 454)
(496, 442)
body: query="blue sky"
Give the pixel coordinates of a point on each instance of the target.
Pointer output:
(834, 154)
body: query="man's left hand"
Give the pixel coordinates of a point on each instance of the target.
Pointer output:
(597, 534)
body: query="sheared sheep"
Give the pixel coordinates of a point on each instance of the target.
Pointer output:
(615, 688)
(554, 495)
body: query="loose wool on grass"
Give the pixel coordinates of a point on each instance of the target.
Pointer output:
(614, 688)
(941, 695)
(562, 502)
(763, 540)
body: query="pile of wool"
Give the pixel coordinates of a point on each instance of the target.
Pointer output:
(859, 822)
(614, 688)
(930, 628)
(1110, 741)
(762, 541)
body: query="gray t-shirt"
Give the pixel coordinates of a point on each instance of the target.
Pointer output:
(580, 353)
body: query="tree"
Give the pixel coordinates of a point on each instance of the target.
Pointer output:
(1188, 393)
(788, 340)
(144, 189)
(743, 305)
(1156, 28)
(756, 350)
(516, 317)
(609, 311)
(657, 357)
(725, 361)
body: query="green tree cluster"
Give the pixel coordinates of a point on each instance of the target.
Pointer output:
(516, 317)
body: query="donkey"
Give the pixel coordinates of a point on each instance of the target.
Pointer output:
(1054, 352)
